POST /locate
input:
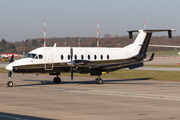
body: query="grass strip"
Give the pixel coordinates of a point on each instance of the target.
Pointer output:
(163, 66)
(165, 53)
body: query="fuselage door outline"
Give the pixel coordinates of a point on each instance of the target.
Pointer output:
(48, 59)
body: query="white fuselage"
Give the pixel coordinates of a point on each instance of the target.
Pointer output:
(60, 55)
(57, 52)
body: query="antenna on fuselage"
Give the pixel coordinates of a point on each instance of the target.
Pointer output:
(54, 45)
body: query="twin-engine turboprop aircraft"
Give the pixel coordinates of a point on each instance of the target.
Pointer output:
(54, 60)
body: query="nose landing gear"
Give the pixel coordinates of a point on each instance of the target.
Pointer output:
(10, 83)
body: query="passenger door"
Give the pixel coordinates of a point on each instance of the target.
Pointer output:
(48, 59)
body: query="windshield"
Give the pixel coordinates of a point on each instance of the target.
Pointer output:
(30, 55)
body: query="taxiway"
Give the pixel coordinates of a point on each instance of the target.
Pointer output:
(38, 98)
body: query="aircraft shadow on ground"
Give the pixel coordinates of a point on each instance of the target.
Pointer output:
(122, 81)
(106, 81)
(10, 116)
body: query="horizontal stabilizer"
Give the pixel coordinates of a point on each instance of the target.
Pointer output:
(151, 31)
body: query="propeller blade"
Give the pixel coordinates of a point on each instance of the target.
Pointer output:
(12, 58)
(71, 53)
(71, 73)
(71, 68)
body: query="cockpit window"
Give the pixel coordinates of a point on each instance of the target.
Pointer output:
(30, 55)
(40, 57)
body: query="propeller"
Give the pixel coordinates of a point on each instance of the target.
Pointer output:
(12, 59)
(71, 68)
(11, 72)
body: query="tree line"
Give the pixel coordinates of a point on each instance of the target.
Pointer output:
(30, 44)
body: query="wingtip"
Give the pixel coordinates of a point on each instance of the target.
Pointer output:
(173, 29)
(152, 56)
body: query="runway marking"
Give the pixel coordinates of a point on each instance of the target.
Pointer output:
(125, 94)
(112, 93)
(12, 117)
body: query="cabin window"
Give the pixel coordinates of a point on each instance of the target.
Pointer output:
(62, 57)
(108, 57)
(95, 57)
(30, 55)
(101, 57)
(75, 57)
(68, 57)
(40, 57)
(88, 57)
(82, 57)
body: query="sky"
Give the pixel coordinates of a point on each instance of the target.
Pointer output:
(23, 19)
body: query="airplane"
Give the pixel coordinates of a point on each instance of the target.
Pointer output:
(93, 60)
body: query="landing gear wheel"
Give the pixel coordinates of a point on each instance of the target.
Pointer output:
(10, 84)
(57, 80)
(98, 81)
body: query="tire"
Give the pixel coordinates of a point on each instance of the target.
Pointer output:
(10, 84)
(96, 81)
(100, 81)
(57, 80)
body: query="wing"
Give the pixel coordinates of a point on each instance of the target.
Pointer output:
(130, 65)
(84, 66)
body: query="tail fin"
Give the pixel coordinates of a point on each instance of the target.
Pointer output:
(141, 43)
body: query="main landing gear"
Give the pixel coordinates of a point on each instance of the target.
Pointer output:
(98, 80)
(57, 79)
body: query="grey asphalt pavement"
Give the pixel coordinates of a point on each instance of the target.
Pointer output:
(3, 64)
(38, 98)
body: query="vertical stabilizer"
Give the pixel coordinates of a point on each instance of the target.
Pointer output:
(141, 43)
